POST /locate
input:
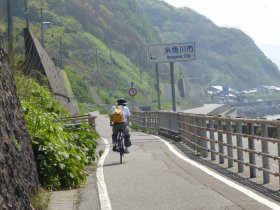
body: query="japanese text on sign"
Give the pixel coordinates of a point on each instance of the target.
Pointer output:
(171, 52)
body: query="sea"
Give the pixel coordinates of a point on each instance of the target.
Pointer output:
(272, 117)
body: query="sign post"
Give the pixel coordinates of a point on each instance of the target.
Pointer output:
(132, 92)
(158, 89)
(171, 53)
(172, 86)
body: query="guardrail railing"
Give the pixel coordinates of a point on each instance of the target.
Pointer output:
(146, 121)
(88, 118)
(253, 143)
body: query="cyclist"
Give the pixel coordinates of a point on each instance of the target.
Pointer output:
(121, 126)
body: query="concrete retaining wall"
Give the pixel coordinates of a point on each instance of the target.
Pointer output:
(39, 59)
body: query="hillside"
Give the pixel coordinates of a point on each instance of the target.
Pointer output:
(104, 45)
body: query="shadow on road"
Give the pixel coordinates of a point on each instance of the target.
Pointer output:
(114, 164)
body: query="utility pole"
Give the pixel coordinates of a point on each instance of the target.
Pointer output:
(173, 86)
(61, 52)
(10, 27)
(25, 12)
(98, 82)
(42, 28)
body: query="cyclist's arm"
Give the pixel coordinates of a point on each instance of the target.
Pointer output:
(110, 116)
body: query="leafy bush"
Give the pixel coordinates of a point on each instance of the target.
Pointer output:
(61, 152)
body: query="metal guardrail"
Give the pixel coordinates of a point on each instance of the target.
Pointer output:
(222, 138)
(146, 121)
(89, 118)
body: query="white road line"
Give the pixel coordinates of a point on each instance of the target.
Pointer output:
(105, 203)
(247, 192)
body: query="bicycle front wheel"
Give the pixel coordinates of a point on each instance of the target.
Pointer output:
(121, 155)
(121, 149)
(121, 152)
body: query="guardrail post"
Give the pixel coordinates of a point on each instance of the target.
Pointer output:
(196, 132)
(203, 134)
(212, 139)
(180, 127)
(183, 127)
(143, 121)
(157, 122)
(91, 121)
(146, 118)
(169, 131)
(198, 135)
(265, 159)
(147, 121)
(251, 145)
(278, 146)
(192, 137)
(221, 141)
(150, 121)
(189, 130)
(229, 142)
(239, 144)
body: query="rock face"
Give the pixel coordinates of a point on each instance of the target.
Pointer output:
(18, 174)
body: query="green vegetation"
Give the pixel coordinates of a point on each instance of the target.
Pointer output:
(134, 127)
(80, 86)
(104, 43)
(41, 200)
(62, 153)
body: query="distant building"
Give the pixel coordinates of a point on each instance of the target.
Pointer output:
(270, 89)
(221, 89)
(222, 94)
(212, 90)
(253, 91)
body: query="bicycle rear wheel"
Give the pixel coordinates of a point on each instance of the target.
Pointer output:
(121, 155)
(121, 150)
(121, 146)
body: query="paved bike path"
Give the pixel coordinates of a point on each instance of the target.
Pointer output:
(152, 177)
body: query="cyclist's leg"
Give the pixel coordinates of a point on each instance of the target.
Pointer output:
(127, 141)
(116, 128)
(114, 136)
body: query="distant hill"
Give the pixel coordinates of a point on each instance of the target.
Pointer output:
(225, 56)
(272, 52)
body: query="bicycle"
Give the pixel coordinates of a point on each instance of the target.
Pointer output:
(120, 141)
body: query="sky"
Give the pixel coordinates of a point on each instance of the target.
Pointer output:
(259, 19)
